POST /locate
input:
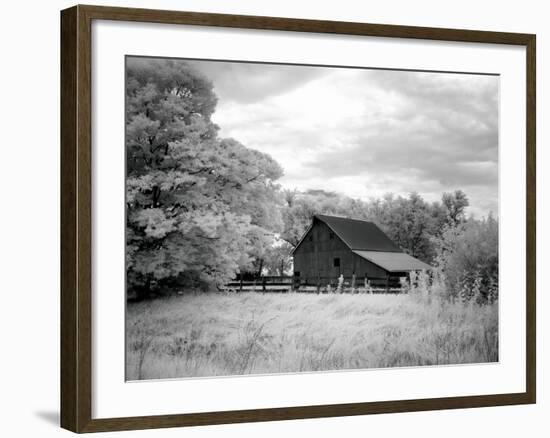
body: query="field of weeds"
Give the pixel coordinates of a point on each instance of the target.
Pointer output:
(254, 333)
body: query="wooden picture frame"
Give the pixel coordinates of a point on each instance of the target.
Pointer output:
(76, 218)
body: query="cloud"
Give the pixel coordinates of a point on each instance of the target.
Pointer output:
(248, 83)
(440, 133)
(366, 132)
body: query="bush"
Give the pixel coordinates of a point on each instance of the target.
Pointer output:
(467, 258)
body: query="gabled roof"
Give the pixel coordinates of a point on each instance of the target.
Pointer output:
(393, 261)
(359, 235)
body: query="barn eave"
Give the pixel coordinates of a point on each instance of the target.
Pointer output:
(302, 239)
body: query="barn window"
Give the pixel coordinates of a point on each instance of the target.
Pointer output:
(336, 262)
(331, 235)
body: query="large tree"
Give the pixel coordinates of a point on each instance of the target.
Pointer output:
(199, 207)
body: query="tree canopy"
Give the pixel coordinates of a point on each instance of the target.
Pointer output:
(199, 207)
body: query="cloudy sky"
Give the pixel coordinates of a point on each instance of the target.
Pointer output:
(366, 132)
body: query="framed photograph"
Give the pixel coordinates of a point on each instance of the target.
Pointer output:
(269, 218)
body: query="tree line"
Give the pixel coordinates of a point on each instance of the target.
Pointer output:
(201, 208)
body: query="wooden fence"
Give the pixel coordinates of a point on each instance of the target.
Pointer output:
(320, 285)
(262, 284)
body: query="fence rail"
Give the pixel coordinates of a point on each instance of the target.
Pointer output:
(318, 285)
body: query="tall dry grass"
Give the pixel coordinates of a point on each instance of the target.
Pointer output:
(250, 333)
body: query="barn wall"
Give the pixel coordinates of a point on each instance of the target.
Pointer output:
(365, 268)
(315, 256)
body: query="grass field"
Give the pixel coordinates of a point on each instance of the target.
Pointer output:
(254, 333)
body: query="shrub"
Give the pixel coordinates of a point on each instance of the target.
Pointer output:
(467, 256)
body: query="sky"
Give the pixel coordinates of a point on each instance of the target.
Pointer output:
(365, 132)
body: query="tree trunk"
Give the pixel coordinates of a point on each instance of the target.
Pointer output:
(144, 291)
(260, 268)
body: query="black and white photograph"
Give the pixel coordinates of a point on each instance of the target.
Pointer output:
(302, 218)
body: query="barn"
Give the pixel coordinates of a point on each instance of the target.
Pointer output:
(358, 250)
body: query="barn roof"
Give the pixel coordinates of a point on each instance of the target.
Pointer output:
(359, 235)
(393, 261)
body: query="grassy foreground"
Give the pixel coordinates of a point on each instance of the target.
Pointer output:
(254, 333)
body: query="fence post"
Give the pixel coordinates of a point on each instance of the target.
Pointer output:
(263, 284)
(353, 283)
(240, 283)
(295, 283)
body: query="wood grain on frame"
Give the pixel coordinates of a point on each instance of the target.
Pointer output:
(76, 238)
